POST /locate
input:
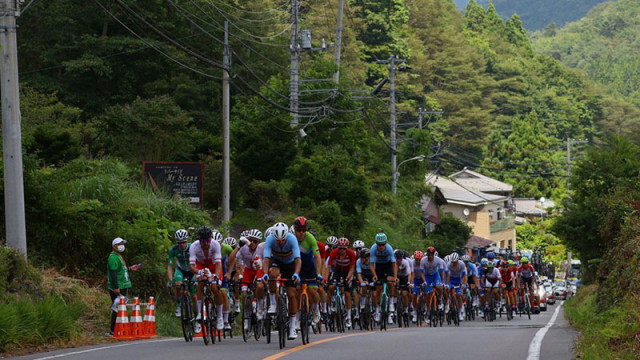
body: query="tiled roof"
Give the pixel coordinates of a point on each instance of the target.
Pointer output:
(459, 194)
(476, 241)
(478, 182)
(528, 207)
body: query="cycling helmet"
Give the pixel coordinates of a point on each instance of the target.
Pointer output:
(254, 234)
(465, 258)
(505, 264)
(315, 236)
(418, 255)
(216, 235)
(231, 241)
(292, 230)
(268, 232)
(489, 264)
(511, 262)
(399, 254)
(381, 238)
(301, 223)
(454, 257)
(332, 240)
(447, 259)
(343, 242)
(280, 231)
(431, 250)
(358, 244)
(491, 255)
(524, 260)
(245, 233)
(365, 253)
(484, 261)
(204, 233)
(435, 254)
(182, 235)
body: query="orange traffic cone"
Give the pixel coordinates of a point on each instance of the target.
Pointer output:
(123, 327)
(137, 327)
(150, 319)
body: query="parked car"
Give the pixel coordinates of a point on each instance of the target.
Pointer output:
(560, 292)
(548, 293)
(543, 298)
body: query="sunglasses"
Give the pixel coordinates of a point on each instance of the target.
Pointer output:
(300, 230)
(255, 241)
(342, 248)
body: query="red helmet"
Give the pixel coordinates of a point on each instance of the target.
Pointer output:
(343, 242)
(418, 255)
(431, 250)
(301, 223)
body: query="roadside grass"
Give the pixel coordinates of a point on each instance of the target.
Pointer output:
(612, 334)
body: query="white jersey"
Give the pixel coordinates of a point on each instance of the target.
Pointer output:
(197, 254)
(404, 268)
(246, 257)
(430, 268)
(458, 270)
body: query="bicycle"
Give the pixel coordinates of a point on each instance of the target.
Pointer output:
(454, 310)
(384, 306)
(402, 317)
(282, 312)
(232, 314)
(470, 312)
(305, 311)
(435, 315)
(524, 296)
(339, 313)
(186, 317)
(421, 310)
(507, 304)
(490, 312)
(249, 316)
(366, 311)
(208, 313)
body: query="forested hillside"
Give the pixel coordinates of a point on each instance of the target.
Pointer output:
(603, 44)
(536, 14)
(141, 80)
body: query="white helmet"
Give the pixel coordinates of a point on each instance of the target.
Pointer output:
(447, 259)
(231, 241)
(268, 232)
(291, 230)
(358, 244)
(454, 257)
(182, 235)
(332, 240)
(280, 231)
(216, 236)
(254, 233)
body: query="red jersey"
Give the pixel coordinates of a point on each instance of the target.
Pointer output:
(508, 274)
(323, 251)
(526, 270)
(342, 264)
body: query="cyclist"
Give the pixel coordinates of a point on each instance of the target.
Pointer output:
(342, 260)
(357, 246)
(417, 283)
(491, 279)
(382, 264)
(310, 262)
(405, 277)
(205, 260)
(472, 278)
(432, 274)
(322, 295)
(364, 275)
(282, 259)
(250, 256)
(491, 256)
(508, 274)
(528, 276)
(457, 276)
(179, 259)
(225, 251)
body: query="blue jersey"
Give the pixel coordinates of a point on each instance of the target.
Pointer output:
(382, 257)
(457, 270)
(362, 268)
(285, 254)
(471, 269)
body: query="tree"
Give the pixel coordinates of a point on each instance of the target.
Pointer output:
(451, 234)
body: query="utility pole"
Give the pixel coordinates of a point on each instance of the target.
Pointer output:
(336, 76)
(16, 233)
(422, 112)
(392, 108)
(226, 191)
(295, 55)
(569, 142)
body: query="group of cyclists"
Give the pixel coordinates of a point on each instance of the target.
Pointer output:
(368, 285)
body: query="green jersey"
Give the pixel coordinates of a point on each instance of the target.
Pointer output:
(308, 245)
(116, 262)
(179, 258)
(225, 250)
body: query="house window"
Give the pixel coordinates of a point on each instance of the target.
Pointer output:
(500, 214)
(510, 243)
(491, 214)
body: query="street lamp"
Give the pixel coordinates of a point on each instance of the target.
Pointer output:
(396, 174)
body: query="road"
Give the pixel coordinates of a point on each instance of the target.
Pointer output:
(475, 340)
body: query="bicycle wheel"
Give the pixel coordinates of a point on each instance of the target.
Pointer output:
(304, 321)
(281, 319)
(266, 327)
(384, 313)
(246, 317)
(339, 315)
(456, 313)
(185, 317)
(527, 306)
(509, 312)
(399, 311)
(206, 325)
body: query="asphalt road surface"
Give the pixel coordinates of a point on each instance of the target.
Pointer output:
(545, 336)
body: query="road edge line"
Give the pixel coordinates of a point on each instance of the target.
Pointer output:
(536, 342)
(104, 348)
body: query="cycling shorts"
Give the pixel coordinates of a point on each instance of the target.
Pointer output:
(528, 281)
(403, 281)
(417, 281)
(249, 275)
(337, 275)
(180, 275)
(489, 284)
(456, 282)
(208, 264)
(286, 271)
(384, 270)
(431, 281)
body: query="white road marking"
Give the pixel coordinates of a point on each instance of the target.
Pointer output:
(536, 343)
(104, 348)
